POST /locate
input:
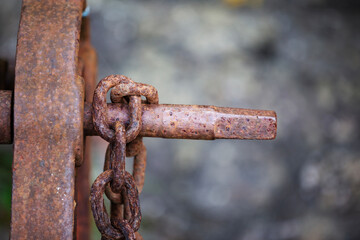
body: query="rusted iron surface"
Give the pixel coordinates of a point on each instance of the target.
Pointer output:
(5, 116)
(135, 147)
(48, 120)
(133, 89)
(126, 87)
(135, 118)
(114, 229)
(102, 219)
(193, 121)
(137, 150)
(88, 59)
(122, 192)
(186, 121)
(117, 157)
(190, 121)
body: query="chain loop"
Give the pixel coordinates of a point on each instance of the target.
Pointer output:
(99, 110)
(110, 228)
(135, 125)
(118, 154)
(134, 89)
(101, 217)
(138, 149)
(120, 186)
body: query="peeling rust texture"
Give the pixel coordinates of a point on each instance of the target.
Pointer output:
(124, 220)
(5, 116)
(114, 228)
(48, 120)
(193, 121)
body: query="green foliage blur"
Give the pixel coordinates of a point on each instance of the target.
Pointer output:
(5, 184)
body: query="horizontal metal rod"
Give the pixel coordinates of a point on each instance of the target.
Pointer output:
(174, 121)
(193, 121)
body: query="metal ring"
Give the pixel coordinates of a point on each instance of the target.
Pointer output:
(134, 149)
(134, 91)
(101, 217)
(139, 165)
(99, 110)
(113, 197)
(117, 157)
(110, 228)
(134, 128)
(134, 88)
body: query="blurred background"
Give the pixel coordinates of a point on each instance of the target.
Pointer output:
(300, 58)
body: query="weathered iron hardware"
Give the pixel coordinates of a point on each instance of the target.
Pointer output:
(125, 214)
(179, 121)
(50, 113)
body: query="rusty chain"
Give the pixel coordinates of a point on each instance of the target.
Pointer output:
(120, 187)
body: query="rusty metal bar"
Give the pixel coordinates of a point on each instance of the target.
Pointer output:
(193, 121)
(48, 120)
(5, 116)
(188, 122)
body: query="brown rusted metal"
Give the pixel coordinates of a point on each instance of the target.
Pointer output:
(135, 118)
(117, 157)
(189, 121)
(124, 86)
(5, 116)
(88, 58)
(127, 218)
(133, 89)
(48, 120)
(113, 197)
(101, 217)
(135, 147)
(137, 150)
(114, 229)
(49, 107)
(99, 106)
(193, 121)
(138, 236)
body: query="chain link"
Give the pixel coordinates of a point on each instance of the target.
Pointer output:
(120, 187)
